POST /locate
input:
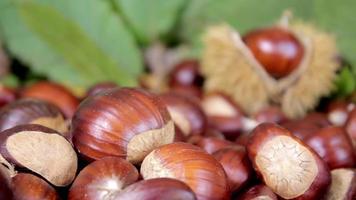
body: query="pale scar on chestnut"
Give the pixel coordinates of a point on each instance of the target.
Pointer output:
(217, 106)
(341, 180)
(287, 167)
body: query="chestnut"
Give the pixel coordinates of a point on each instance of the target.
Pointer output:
(334, 146)
(32, 111)
(236, 165)
(343, 184)
(338, 111)
(301, 128)
(286, 165)
(99, 87)
(41, 150)
(7, 95)
(271, 114)
(317, 118)
(5, 183)
(258, 192)
(186, 113)
(223, 114)
(186, 73)
(53, 93)
(123, 122)
(27, 186)
(103, 179)
(277, 49)
(189, 91)
(211, 144)
(157, 189)
(191, 165)
(350, 126)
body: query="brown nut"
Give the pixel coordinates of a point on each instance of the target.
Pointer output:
(7, 95)
(5, 183)
(186, 73)
(350, 126)
(271, 114)
(258, 192)
(33, 111)
(301, 128)
(41, 150)
(319, 119)
(237, 166)
(211, 144)
(286, 165)
(343, 184)
(334, 146)
(190, 164)
(53, 93)
(28, 186)
(157, 189)
(103, 179)
(338, 112)
(186, 113)
(99, 87)
(123, 122)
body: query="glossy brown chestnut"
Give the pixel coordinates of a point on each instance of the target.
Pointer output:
(301, 128)
(350, 126)
(189, 91)
(338, 112)
(223, 114)
(99, 87)
(317, 118)
(343, 184)
(186, 73)
(286, 165)
(123, 122)
(41, 150)
(7, 95)
(211, 144)
(258, 192)
(53, 93)
(334, 146)
(186, 113)
(236, 165)
(271, 114)
(32, 111)
(103, 179)
(157, 189)
(276, 49)
(28, 186)
(5, 183)
(190, 164)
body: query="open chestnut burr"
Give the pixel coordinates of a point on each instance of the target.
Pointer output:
(123, 122)
(286, 165)
(191, 165)
(41, 150)
(343, 184)
(32, 111)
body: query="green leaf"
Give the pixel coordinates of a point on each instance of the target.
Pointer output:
(150, 19)
(339, 18)
(10, 80)
(345, 82)
(74, 42)
(241, 14)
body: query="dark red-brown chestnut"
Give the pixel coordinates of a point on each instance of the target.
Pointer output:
(236, 165)
(32, 111)
(343, 184)
(99, 87)
(286, 165)
(258, 192)
(317, 118)
(338, 111)
(41, 150)
(53, 93)
(186, 113)
(301, 128)
(5, 183)
(103, 179)
(123, 122)
(350, 126)
(157, 189)
(191, 165)
(30, 187)
(334, 146)
(7, 95)
(186, 73)
(277, 49)
(211, 144)
(271, 114)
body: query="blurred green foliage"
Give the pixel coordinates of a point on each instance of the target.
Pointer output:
(80, 42)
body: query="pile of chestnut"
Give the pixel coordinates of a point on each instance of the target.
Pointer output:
(129, 143)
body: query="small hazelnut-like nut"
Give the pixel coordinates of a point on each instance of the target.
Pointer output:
(123, 122)
(99, 87)
(186, 73)
(191, 165)
(236, 165)
(53, 93)
(338, 111)
(211, 144)
(7, 95)
(186, 113)
(258, 192)
(32, 111)
(286, 165)
(334, 146)
(5, 183)
(223, 114)
(103, 179)
(41, 150)
(343, 184)
(27, 186)
(276, 49)
(157, 189)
